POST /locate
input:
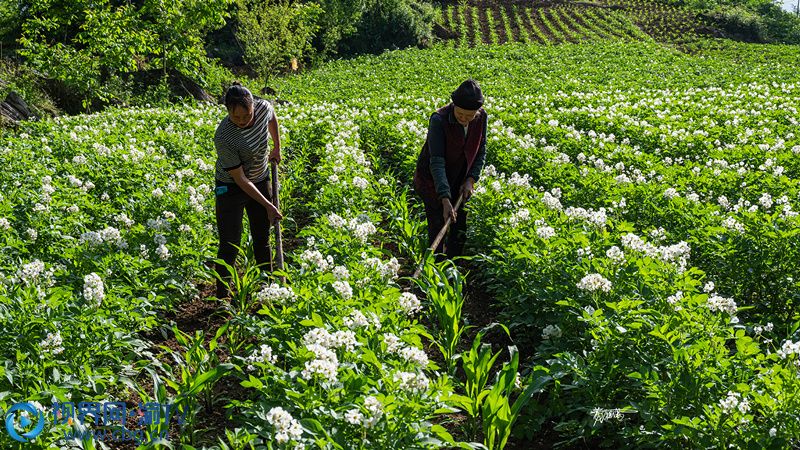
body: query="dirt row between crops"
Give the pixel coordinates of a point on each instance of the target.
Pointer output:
(203, 312)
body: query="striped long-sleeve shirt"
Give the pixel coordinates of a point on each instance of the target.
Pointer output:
(245, 147)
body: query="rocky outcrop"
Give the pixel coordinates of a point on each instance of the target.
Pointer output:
(14, 109)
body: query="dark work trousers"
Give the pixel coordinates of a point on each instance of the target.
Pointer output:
(230, 207)
(453, 243)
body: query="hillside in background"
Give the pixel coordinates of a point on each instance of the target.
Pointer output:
(78, 66)
(475, 22)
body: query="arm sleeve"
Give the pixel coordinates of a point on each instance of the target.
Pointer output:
(436, 145)
(270, 112)
(480, 158)
(228, 158)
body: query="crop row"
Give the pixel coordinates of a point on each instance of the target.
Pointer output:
(665, 22)
(635, 223)
(640, 241)
(476, 25)
(108, 221)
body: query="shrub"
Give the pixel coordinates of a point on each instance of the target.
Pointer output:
(9, 25)
(338, 22)
(391, 24)
(273, 32)
(737, 19)
(781, 26)
(763, 20)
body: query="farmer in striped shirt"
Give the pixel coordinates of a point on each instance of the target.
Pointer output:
(242, 177)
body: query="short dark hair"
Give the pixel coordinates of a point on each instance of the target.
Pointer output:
(238, 95)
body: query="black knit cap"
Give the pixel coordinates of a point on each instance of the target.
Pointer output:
(468, 95)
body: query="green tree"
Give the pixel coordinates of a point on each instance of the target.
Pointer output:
(391, 24)
(89, 43)
(181, 26)
(9, 23)
(273, 32)
(338, 22)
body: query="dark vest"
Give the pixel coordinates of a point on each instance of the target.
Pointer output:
(460, 153)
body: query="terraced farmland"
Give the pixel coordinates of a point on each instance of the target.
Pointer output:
(481, 22)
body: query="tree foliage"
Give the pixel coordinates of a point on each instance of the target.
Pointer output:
(9, 23)
(87, 43)
(273, 32)
(101, 49)
(761, 19)
(391, 24)
(337, 23)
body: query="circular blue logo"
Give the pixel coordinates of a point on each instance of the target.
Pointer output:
(24, 421)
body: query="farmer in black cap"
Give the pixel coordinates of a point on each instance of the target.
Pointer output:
(451, 162)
